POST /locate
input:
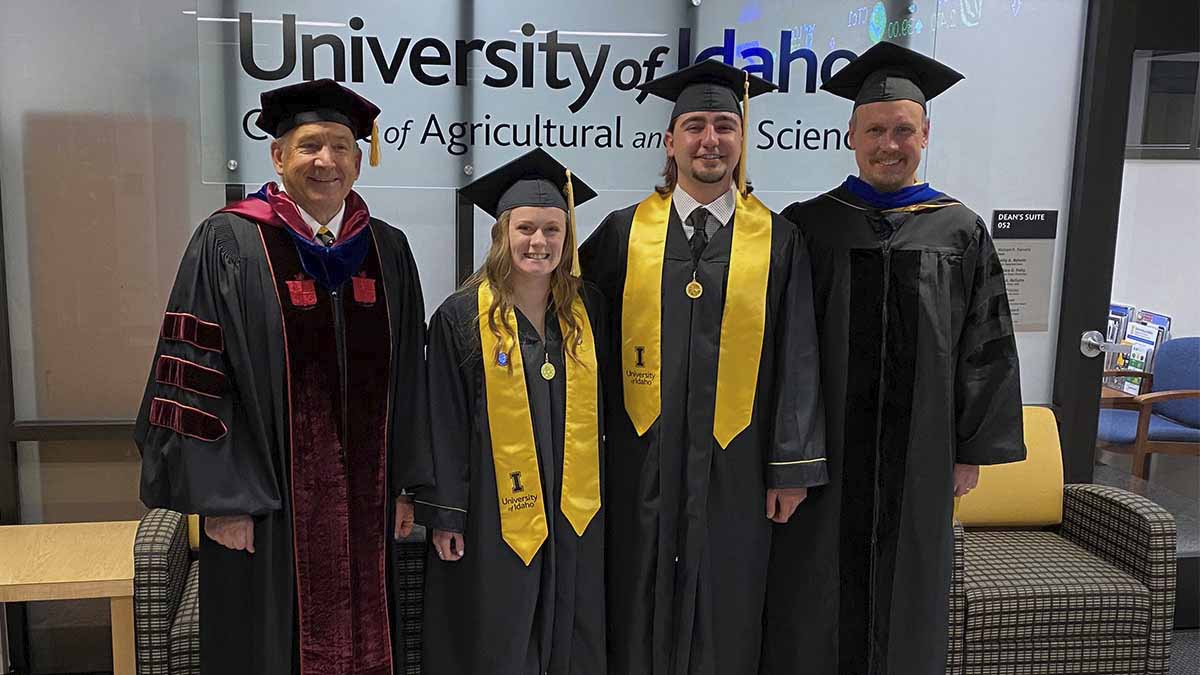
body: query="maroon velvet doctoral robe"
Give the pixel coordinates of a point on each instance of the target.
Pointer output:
(281, 389)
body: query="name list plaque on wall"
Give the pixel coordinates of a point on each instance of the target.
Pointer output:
(1025, 243)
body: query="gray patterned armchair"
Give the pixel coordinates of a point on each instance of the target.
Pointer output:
(166, 576)
(1087, 587)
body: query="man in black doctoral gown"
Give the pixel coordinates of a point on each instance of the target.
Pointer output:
(921, 386)
(280, 407)
(714, 426)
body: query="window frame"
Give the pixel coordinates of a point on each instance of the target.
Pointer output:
(1165, 150)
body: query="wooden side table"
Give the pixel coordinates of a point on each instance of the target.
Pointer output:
(1115, 398)
(1108, 393)
(74, 561)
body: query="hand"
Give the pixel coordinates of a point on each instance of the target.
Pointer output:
(404, 516)
(449, 545)
(966, 478)
(235, 532)
(782, 502)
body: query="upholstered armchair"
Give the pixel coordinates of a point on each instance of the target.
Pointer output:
(1166, 418)
(166, 580)
(1063, 579)
(166, 586)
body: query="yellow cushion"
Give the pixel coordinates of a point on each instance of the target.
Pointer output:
(1024, 494)
(194, 531)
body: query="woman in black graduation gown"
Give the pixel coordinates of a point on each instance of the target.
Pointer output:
(515, 579)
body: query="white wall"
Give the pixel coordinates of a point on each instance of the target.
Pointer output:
(1004, 138)
(1157, 264)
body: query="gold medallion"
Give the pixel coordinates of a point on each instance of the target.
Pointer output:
(694, 289)
(548, 371)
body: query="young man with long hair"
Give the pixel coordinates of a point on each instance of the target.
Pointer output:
(714, 427)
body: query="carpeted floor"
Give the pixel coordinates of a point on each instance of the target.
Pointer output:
(1185, 652)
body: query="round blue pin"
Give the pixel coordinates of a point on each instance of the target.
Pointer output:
(502, 359)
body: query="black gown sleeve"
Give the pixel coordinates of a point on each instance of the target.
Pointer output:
(599, 258)
(792, 214)
(987, 378)
(443, 506)
(797, 454)
(411, 458)
(200, 430)
(602, 261)
(598, 314)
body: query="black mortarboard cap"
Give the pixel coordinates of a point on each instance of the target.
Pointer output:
(533, 179)
(889, 72)
(286, 108)
(708, 86)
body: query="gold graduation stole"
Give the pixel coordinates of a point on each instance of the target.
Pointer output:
(743, 320)
(581, 437)
(514, 451)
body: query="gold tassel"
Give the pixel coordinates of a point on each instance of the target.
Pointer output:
(745, 135)
(575, 271)
(375, 144)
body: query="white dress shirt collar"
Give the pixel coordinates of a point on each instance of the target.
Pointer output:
(721, 208)
(334, 225)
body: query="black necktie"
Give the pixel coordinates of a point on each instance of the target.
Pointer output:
(698, 222)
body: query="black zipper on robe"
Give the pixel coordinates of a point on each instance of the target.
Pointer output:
(339, 337)
(879, 400)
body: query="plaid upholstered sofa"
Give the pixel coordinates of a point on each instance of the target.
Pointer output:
(166, 601)
(1059, 579)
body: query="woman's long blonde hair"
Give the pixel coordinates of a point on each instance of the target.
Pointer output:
(497, 271)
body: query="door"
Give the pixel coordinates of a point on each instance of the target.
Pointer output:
(1130, 248)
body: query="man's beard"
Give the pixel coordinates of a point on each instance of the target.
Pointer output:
(711, 176)
(891, 183)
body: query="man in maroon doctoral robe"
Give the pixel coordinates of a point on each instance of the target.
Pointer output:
(279, 405)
